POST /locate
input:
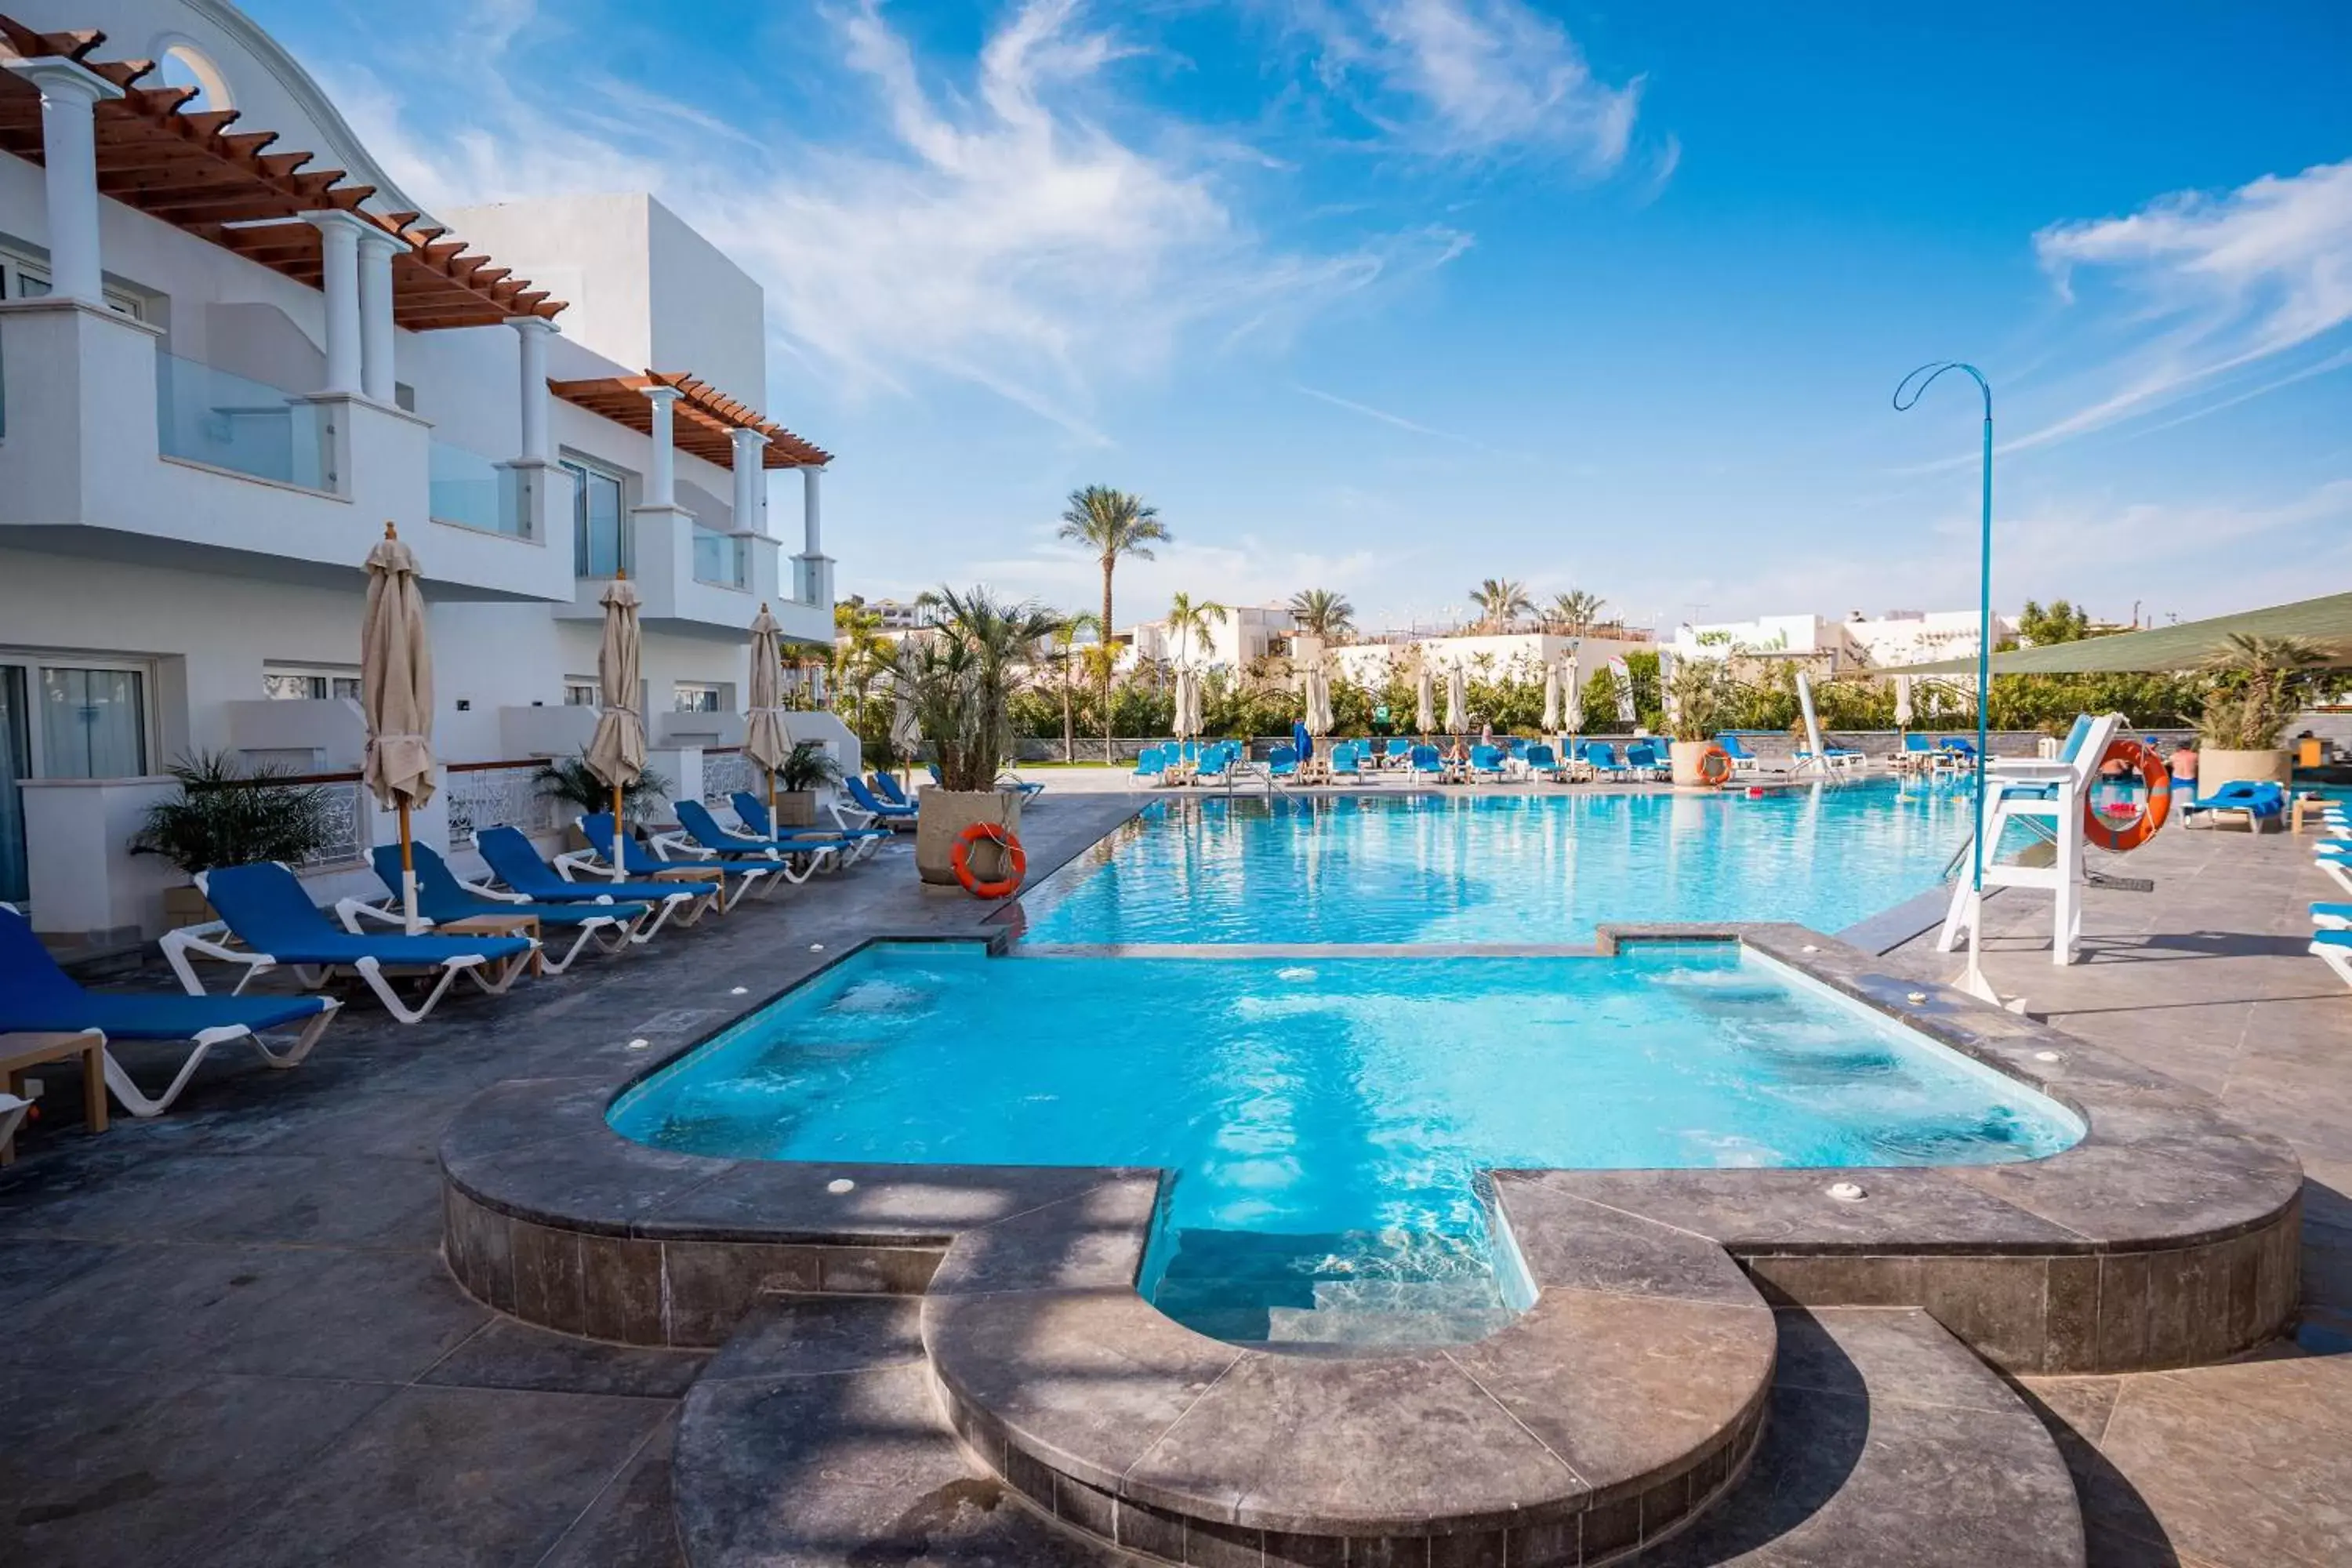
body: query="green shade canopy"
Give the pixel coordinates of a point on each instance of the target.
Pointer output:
(2326, 624)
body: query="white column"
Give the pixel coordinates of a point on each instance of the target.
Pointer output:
(661, 474)
(812, 516)
(69, 94)
(338, 262)
(749, 480)
(376, 370)
(533, 332)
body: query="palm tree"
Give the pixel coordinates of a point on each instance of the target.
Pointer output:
(1066, 654)
(1321, 613)
(1500, 602)
(1578, 609)
(1189, 621)
(961, 681)
(1111, 523)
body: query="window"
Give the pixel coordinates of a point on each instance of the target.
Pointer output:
(688, 697)
(24, 276)
(600, 538)
(285, 683)
(93, 724)
(579, 691)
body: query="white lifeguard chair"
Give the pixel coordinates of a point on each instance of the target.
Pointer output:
(2049, 794)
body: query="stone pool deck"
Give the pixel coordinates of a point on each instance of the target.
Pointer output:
(2208, 981)
(235, 1341)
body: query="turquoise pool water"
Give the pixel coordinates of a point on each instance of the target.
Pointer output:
(1519, 868)
(1326, 1120)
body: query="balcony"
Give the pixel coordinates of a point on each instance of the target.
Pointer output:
(116, 448)
(720, 559)
(205, 415)
(470, 490)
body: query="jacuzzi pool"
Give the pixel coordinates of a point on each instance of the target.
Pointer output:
(1324, 1121)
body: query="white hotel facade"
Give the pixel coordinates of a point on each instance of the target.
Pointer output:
(225, 365)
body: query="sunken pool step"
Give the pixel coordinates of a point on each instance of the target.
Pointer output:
(814, 1438)
(1617, 1407)
(1340, 1289)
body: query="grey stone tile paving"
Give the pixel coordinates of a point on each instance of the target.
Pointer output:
(232, 1339)
(2207, 980)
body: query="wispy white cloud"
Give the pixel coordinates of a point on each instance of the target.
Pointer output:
(1474, 78)
(2195, 288)
(996, 228)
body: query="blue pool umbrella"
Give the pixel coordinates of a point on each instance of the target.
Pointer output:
(1302, 739)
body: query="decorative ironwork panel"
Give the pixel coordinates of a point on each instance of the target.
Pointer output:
(346, 825)
(724, 772)
(496, 797)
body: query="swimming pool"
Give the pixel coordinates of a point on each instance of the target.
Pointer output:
(1501, 867)
(1325, 1121)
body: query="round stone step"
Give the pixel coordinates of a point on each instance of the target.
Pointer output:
(1624, 1401)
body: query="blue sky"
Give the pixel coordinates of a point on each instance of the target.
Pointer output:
(1388, 296)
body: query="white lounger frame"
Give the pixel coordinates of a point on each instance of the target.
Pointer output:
(138, 1104)
(682, 846)
(687, 903)
(211, 940)
(616, 932)
(586, 866)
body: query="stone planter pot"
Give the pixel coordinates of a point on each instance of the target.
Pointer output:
(796, 808)
(183, 906)
(945, 814)
(2216, 768)
(1685, 756)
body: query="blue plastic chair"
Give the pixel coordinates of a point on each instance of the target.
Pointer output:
(264, 906)
(37, 998)
(442, 897)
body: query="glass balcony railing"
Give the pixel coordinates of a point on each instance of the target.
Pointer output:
(207, 415)
(718, 559)
(472, 492)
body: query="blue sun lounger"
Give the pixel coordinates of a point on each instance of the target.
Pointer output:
(262, 905)
(597, 828)
(1425, 760)
(753, 812)
(441, 898)
(874, 808)
(2257, 801)
(1281, 762)
(513, 860)
(795, 859)
(1488, 762)
(37, 998)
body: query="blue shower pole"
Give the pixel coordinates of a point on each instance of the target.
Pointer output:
(1924, 378)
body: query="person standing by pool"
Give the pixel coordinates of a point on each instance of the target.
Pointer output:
(2183, 763)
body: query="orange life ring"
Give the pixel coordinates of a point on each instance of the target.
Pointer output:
(1715, 766)
(1017, 862)
(2156, 775)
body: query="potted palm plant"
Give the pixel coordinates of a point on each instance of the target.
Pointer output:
(228, 815)
(2257, 691)
(807, 769)
(1701, 691)
(960, 680)
(576, 789)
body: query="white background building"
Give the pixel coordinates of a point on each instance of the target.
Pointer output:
(1246, 634)
(224, 368)
(1896, 637)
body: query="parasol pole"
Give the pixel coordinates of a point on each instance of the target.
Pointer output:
(620, 825)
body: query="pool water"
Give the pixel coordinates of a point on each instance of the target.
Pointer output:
(1502, 868)
(1325, 1121)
